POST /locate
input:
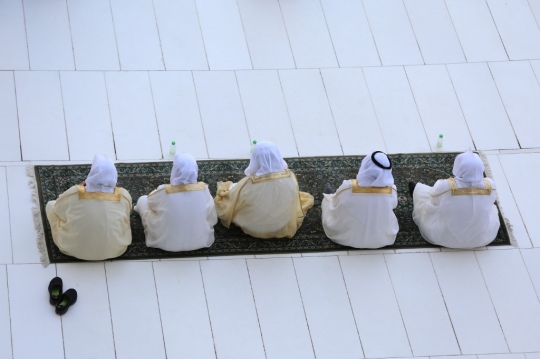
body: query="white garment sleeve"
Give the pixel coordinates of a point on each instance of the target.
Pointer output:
(394, 197)
(142, 205)
(212, 214)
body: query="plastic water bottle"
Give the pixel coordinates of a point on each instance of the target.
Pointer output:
(172, 150)
(439, 143)
(253, 144)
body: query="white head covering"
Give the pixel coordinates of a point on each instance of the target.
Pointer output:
(375, 171)
(468, 170)
(185, 169)
(102, 176)
(265, 158)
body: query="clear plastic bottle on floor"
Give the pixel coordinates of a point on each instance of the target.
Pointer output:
(172, 150)
(253, 144)
(439, 143)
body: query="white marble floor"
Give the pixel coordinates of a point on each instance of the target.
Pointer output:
(317, 77)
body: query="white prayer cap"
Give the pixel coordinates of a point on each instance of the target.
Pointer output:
(265, 158)
(375, 171)
(468, 170)
(102, 176)
(185, 169)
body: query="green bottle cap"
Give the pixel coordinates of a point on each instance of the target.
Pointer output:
(440, 136)
(174, 143)
(254, 142)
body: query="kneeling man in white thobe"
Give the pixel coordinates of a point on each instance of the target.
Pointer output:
(90, 221)
(360, 214)
(458, 212)
(267, 202)
(179, 216)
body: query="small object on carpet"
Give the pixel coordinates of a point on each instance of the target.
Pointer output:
(328, 189)
(412, 185)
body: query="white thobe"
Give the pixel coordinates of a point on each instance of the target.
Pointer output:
(91, 225)
(455, 221)
(178, 218)
(360, 220)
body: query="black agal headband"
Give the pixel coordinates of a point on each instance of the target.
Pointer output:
(378, 164)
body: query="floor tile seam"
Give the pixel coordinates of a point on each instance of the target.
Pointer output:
(330, 108)
(109, 111)
(201, 121)
(110, 114)
(460, 105)
(50, 162)
(329, 33)
(154, 108)
(115, 42)
(398, 305)
(71, 39)
(537, 75)
(497, 28)
(445, 304)
(537, 20)
(61, 320)
(491, 300)
(202, 38)
(110, 308)
(351, 308)
(503, 102)
(276, 69)
(159, 310)
(25, 264)
(9, 218)
(373, 105)
(64, 112)
(9, 312)
(416, 106)
(245, 39)
(519, 151)
(371, 33)
(26, 36)
(242, 102)
(255, 306)
(515, 201)
(160, 45)
(18, 117)
(536, 290)
(208, 310)
(287, 33)
(287, 108)
(414, 33)
(455, 30)
(303, 308)
(9, 164)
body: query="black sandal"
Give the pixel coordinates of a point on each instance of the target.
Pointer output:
(328, 189)
(55, 290)
(412, 186)
(66, 300)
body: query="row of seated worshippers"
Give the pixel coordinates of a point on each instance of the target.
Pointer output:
(90, 221)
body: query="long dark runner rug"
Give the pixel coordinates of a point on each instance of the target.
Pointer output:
(312, 173)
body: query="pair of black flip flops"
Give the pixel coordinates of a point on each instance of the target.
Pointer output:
(61, 300)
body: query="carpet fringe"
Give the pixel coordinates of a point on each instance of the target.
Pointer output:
(42, 247)
(509, 226)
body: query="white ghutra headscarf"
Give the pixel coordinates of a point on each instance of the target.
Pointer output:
(265, 158)
(103, 175)
(468, 170)
(185, 169)
(375, 171)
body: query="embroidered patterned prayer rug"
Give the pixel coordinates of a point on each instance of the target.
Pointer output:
(312, 173)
